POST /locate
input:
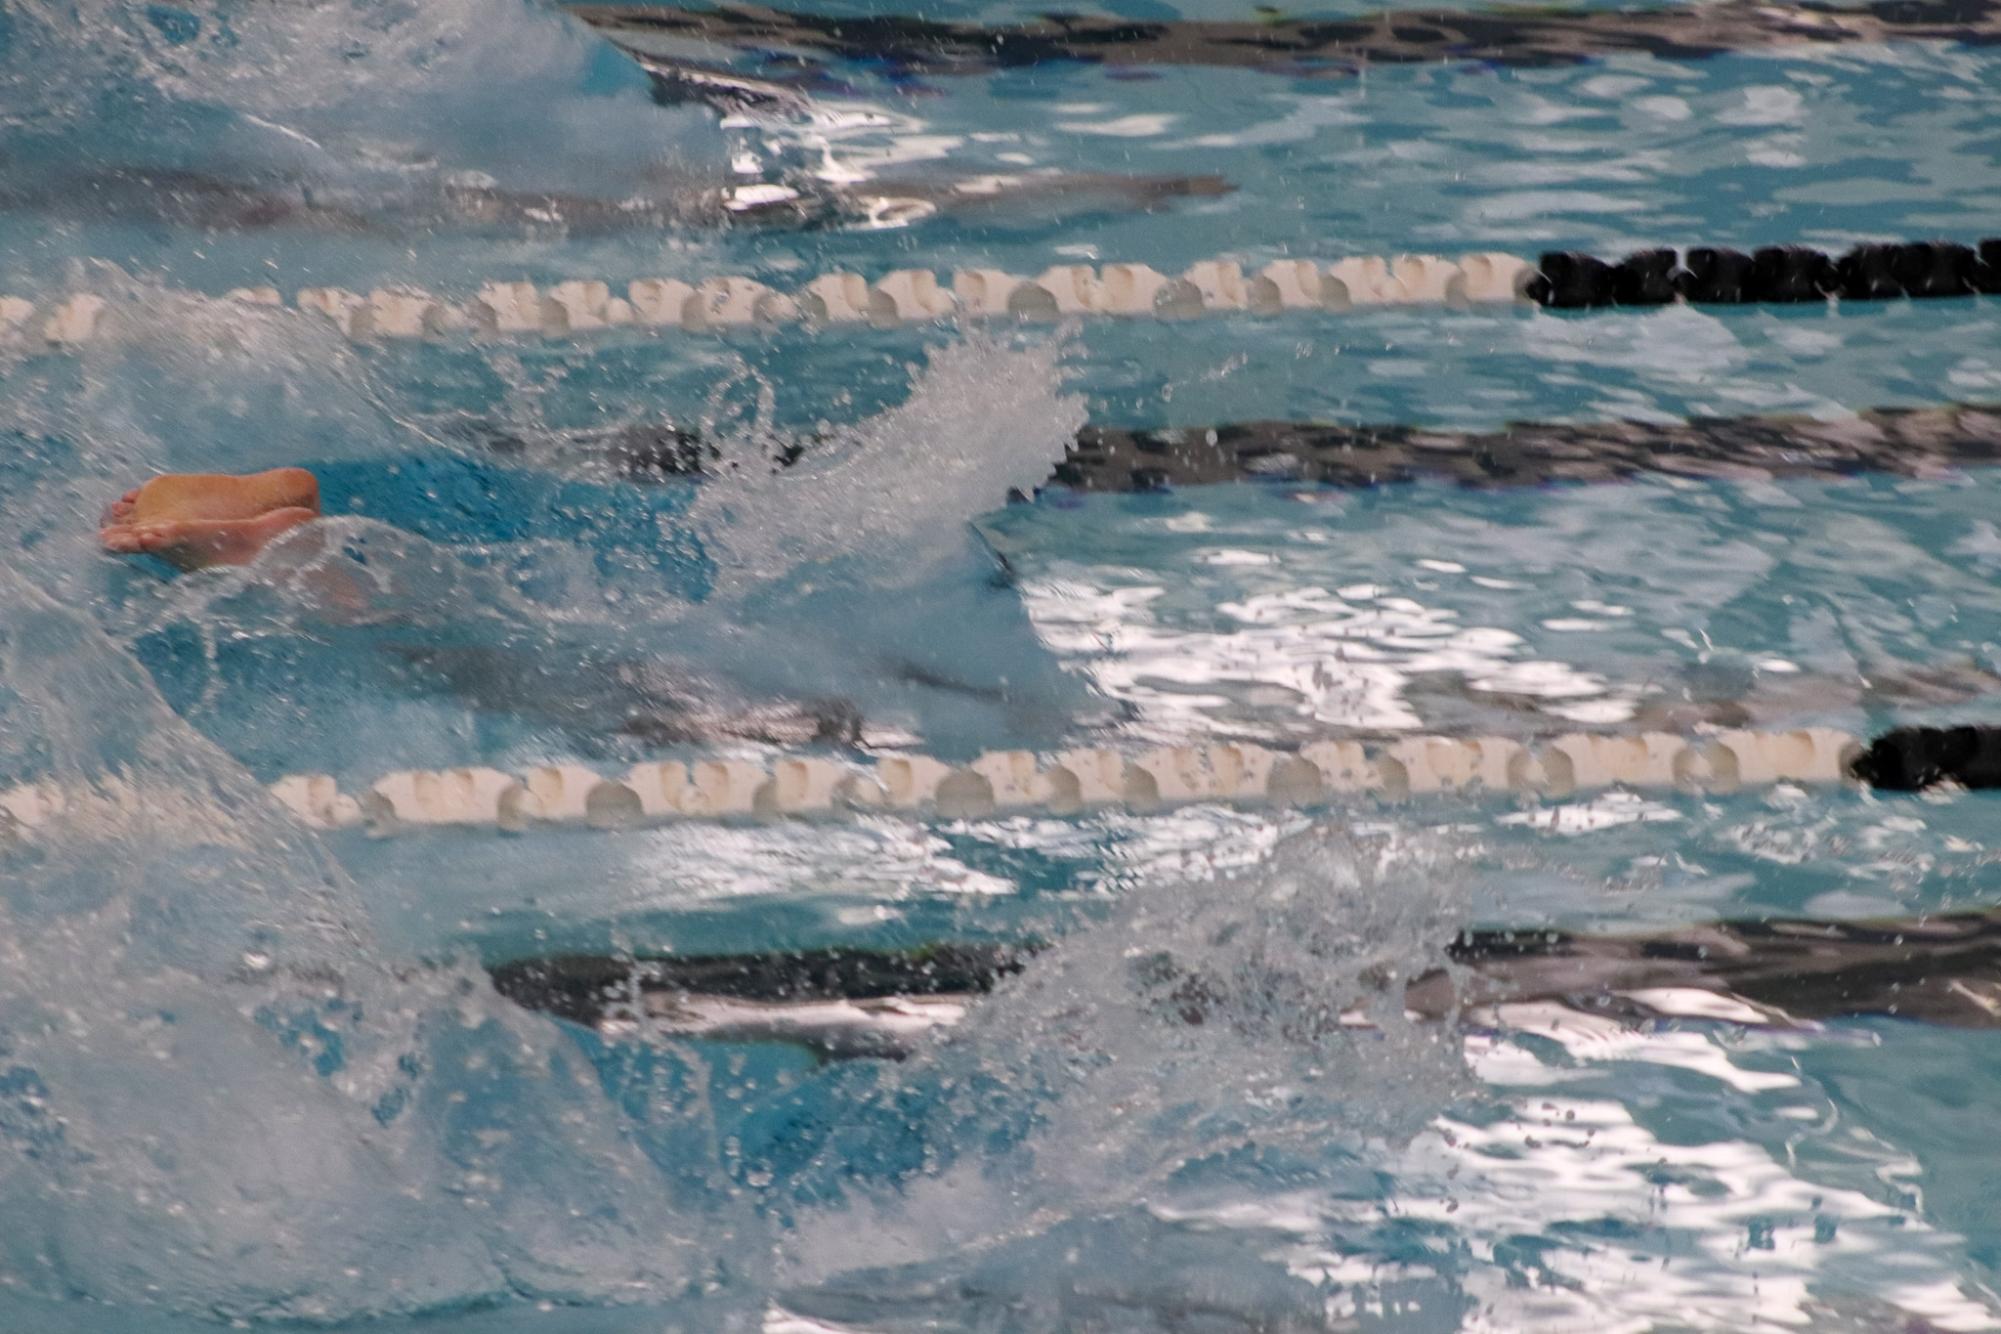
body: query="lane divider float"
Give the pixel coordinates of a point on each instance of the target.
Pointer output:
(714, 305)
(1561, 280)
(1001, 783)
(1785, 274)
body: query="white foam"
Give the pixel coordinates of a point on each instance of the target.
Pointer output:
(984, 416)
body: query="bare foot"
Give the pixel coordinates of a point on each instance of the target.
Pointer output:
(195, 520)
(194, 544)
(199, 495)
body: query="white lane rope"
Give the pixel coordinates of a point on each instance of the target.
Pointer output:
(585, 306)
(1001, 783)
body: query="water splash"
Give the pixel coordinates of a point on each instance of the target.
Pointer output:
(215, 1096)
(856, 571)
(983, 419)
(247, 114)
(1204, 1028)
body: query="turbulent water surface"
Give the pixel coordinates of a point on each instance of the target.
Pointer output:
(251, 1075)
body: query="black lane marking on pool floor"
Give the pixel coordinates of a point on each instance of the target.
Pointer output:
(1943, 969)
(1905, 442)
(1909, 442)
(1298, 47)
(582, 987)
(837, 1003)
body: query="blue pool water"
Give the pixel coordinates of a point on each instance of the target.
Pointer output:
(254, 1076)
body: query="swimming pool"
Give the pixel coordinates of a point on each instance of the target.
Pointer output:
(1708, 1055)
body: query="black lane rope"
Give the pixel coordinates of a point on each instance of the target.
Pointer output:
(1330, 48)
(1912, 759)
(1789, 274)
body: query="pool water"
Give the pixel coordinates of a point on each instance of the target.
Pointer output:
(255, 1076)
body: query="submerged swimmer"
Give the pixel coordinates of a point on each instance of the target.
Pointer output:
(197, 520)
(201, 521)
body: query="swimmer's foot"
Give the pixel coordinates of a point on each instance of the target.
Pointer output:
(199, 519)
(194, 544)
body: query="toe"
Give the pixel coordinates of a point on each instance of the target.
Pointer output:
(118, 538)
(150, 536)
